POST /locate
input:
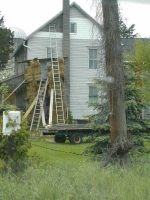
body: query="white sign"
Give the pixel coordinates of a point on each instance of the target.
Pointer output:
(11, 121)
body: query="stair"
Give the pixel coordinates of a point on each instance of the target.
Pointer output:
(38, 108)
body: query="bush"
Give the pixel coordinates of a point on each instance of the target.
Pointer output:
(14, 148)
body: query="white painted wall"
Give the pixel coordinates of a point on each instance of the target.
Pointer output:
(80, 74)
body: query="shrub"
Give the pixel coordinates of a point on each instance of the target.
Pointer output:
(14, 148)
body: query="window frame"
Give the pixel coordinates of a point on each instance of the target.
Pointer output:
(93, 95)
(94, 60)
(75, 27)
(48, 48)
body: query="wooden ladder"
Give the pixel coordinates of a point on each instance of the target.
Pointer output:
(56, 77)
(38, 108)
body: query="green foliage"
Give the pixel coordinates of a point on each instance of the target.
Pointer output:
(101, 142)
(6, 43)
(73, 179)
(69, 120)
(4, 89)
(134, 103)
(126, 32)
(140, 56)
(14, 148)
(3, 94)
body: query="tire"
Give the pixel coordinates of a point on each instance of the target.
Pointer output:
(60, 139)
(76, 138)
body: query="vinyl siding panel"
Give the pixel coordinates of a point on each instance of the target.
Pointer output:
(58, 25)
(80, 78)
(85, 29)
(38, 47)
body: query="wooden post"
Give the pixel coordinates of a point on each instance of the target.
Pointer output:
(42, 114)
(51, 106)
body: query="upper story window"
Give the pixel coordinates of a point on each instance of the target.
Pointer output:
(52, 28)
(73, 28)
(49, 52)
(93, 94)
(92, 58)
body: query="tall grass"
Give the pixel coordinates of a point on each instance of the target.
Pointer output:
(77, 181)
(53, 174)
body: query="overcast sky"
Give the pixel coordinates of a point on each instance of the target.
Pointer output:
(31, 14)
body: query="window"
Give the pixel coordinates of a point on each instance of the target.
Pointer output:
(48, 52)
(92, 58)
(93, 94)
(52, 28)
(73, 27)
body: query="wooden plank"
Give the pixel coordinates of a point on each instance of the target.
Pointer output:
(30, 108)
(43, 115)
(14, 90)
(51, 106)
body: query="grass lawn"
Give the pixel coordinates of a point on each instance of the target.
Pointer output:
(63, 173)
(57, 153)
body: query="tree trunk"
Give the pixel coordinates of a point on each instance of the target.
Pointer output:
(114, 71)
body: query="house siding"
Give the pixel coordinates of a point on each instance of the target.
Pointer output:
(22, 55)
(77, 49)
(38, 50)
(38, 47)
(58, 25)
(81, 76)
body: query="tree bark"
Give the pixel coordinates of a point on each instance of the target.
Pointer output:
(114, 70)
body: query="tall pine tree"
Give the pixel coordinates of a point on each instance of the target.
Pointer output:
(6, 43)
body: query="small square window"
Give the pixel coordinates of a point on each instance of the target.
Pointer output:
(73, 27)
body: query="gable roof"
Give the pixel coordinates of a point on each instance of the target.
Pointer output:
(49, 21)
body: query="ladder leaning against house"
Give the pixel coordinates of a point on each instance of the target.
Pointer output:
(38, 108)
(56, 76)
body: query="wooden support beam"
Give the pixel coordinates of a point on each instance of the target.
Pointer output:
(30, 108)
(51, 106)
(42, 114)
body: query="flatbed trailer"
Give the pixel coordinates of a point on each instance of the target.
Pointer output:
(73, 132)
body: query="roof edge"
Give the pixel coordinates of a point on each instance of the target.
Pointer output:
(57, 15)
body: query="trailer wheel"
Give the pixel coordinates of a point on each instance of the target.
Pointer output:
(60, 139)
(76, 138)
